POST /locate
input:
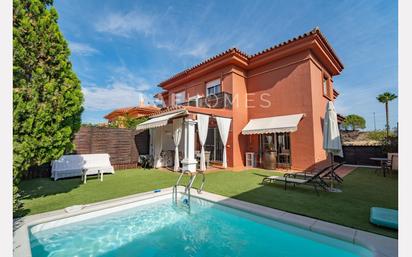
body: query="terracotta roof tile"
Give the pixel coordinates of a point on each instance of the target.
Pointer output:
(314, 31)
(227, 52)
(168, 109)
(126, 110)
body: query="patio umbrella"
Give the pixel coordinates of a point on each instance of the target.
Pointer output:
(331, 137)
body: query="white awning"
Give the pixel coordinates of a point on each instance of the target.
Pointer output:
(156, 122)
(287, 123)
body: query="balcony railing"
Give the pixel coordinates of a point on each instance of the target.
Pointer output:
(222, 100)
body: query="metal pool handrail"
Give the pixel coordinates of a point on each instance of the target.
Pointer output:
(189, 185)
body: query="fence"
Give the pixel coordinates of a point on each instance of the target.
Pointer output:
(123, 146)
(360, 155)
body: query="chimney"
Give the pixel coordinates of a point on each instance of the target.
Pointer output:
(141, 103)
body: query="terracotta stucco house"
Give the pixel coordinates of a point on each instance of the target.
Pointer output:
(276, 99)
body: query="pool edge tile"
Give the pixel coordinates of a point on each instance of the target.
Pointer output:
(297, 220)
(337, 231)
(379, 244)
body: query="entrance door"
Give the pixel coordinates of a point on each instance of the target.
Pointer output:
(214, 145)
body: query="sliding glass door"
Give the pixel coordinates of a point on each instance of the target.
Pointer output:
(283, 150)
(214, 145)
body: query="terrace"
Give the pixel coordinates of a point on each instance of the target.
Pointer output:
(221, 100)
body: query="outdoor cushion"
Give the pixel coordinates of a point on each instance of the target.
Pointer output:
(73, 165)
(384, 217)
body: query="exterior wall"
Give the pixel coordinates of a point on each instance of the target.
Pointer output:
(198, 85)
(319, 101)
(238, 144)
(287, 85)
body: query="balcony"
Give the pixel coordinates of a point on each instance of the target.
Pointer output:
(222, 100)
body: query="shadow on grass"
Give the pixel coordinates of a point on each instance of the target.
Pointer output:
(260, 175)
(41, 187)
(351, 208)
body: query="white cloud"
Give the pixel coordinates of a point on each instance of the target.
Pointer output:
(200, 50)
(162, 28)
(124, 24)
(125, 89)
(115, 96)
(82, 49)
(196, 48)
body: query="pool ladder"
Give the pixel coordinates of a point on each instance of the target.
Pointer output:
(189, 185)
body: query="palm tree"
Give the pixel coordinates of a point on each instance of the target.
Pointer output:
(386, 98)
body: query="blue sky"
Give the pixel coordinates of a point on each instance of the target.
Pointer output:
(123, 49)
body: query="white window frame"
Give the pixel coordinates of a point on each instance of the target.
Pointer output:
(182, 100)
(196, 97)
(213, 83)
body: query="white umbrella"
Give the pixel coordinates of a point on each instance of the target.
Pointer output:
(331, 136)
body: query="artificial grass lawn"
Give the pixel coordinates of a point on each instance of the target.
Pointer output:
(362, 189)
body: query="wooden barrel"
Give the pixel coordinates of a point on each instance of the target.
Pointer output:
(269, 160)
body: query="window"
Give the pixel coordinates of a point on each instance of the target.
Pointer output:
(269, 142)
(180, 98)
(213, 87)
(194, 101)
(325, 86)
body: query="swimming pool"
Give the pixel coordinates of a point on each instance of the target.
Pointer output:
(158, 227)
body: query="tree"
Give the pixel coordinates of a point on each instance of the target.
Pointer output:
(127, 122)
(47, 97)
(354, 122)
(386, 98)
(133, 122)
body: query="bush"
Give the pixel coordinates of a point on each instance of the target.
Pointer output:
(378, 135)
(389, 145)
(127, 122)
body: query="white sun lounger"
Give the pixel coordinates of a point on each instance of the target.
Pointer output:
(75, 165)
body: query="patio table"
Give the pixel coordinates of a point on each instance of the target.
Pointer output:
(382, 161)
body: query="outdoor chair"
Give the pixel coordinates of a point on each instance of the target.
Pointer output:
(146, 161)
(207, 158)
(314, 180)
(391, 164)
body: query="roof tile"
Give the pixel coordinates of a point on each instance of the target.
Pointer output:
(234, 50)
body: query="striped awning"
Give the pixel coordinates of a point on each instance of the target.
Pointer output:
(158, 121)
(276, 124)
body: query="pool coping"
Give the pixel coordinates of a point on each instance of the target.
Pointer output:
(381, 246)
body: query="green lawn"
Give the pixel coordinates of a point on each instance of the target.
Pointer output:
(362, 189)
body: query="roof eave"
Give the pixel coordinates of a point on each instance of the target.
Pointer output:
(233, 57)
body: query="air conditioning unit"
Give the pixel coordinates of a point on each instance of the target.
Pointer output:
(250, 159)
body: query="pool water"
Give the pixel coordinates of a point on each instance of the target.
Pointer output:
(162, 228)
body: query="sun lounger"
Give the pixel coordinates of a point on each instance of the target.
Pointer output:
(326, 175)
(76, 165)
(384, 217)
(314, 180)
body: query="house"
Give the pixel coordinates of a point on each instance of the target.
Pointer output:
(268, 106)
(142, 110)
